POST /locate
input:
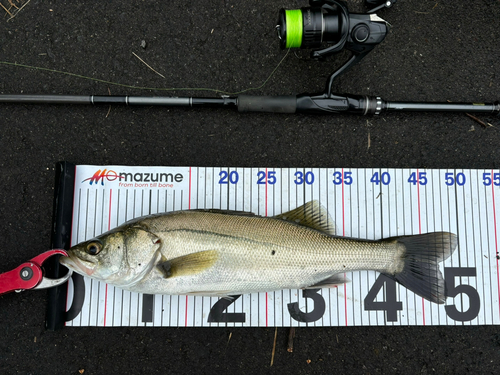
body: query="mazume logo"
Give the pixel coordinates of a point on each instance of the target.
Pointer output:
(138, 179)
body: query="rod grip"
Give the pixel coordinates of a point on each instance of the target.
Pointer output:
(275, 104)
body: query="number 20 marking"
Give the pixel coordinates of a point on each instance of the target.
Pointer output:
(232, 176)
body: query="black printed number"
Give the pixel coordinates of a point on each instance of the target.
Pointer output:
(390, 305)
(453, 290)
(218, 315)
(315, 314)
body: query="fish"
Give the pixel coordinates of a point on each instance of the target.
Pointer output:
(210, 252)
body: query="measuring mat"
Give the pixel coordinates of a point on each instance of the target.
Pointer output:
(364, 203)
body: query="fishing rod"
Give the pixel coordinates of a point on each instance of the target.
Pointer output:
(353, 104)
(327, 27)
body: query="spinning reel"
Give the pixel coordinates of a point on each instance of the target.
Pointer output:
(329, 27)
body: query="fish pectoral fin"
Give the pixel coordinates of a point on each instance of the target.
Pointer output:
(190, 264)
(312, 215)
(332, 281)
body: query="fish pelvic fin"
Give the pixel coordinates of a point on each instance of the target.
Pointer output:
(312, 215)
(419, 258)
(190, 264)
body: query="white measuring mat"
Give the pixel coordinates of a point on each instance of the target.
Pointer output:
(364, 203)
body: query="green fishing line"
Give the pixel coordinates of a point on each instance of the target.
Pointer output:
(293, 28)
(148, 88)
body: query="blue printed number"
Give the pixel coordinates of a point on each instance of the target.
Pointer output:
(226, 177)
(385, 178)
(421, 180)
(271, 178)
(450, 179)
(487, 179)
(337, 178)
(300, 177)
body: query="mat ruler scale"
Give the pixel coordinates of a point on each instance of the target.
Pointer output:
(364, 203)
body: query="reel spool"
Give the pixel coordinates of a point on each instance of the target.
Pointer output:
(329, 22)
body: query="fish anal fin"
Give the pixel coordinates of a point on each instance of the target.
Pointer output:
(190, 264)
(330, 282)
(220, 294)
(312, 215)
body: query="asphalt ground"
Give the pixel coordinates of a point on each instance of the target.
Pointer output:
(436, 51)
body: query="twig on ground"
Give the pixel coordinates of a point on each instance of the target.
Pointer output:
(274, 345)
(12, 15)
(13, 5)
(6, 9)
(109, 110)
(484, 124)
(145, 63)
(291, 336)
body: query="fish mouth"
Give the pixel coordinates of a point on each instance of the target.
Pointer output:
(75, 264)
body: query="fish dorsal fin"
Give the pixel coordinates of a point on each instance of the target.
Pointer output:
(312, 215)
(190, 264)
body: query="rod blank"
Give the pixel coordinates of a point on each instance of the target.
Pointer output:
(46, 99)
(442, 107)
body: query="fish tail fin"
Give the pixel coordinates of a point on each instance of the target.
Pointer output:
(420, 263)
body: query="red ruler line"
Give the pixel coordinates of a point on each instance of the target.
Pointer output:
(109, 228)
(343, 234)
(496, 237)
(189, 207)
(420, 232)
(267, 314)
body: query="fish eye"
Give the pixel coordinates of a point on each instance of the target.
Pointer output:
(94, 248)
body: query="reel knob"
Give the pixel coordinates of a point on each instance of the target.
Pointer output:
(361, 33)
